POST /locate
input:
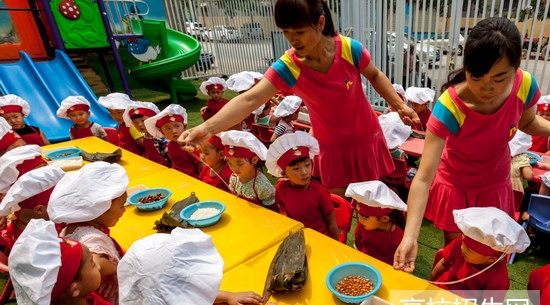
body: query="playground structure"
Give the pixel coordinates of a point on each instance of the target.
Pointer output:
(38, 33)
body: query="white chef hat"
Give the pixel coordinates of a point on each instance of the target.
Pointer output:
(400, 91)
(242, 144)
(395, 131)
(115, 101)
(31, 189)
(139, 108)
(18, 161)
(42, 266)
(288, 148)
(213, 83)
(243, 81)
(87, 193)
(172, 113)
(520, 143)
(377, 198)
(7, 135)
(288, 106)
(72, 103)
(12, 103)
(544, 103)
(419, 95)
(181, 268)
(490, 231)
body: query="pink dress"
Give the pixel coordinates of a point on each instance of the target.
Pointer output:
(475, 164)
(351, 141)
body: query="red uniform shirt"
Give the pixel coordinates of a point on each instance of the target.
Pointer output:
(215, 180)
(378, 244)
(182, 160)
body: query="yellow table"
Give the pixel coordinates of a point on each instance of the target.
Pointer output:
(323, 253)
(245, 229)
(135, 166)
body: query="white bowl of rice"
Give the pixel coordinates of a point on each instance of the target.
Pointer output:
(203, 214)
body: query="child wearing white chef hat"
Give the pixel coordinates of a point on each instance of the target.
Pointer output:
(171, 123)
(28, 198)
(419, 99)
(182, 268)
(8, 138)
(243, 153)
(242, 82)
(17, 162)
(88, 202)
(395, 132)
(299, 197)
(129, 137)
(15, 109)
(540, 143)
(155, 148)
(46, 269)
(475, 259)
(287, 111)
(521, 171)
(380, 219)
(214, 88)
(77, 109)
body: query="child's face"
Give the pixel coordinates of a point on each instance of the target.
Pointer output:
(216, 95)
(419, 108)
(493, 86)
(544, 114)
(88, 277)
(113, 214)
(242, 167)
(79, 118)
(172, 130)
(15, 119)
(475, 258)
(299, 174)
(211, 155)
(117, 115)
(139, 123)
(368, 222)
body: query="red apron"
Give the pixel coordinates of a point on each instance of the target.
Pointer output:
(32, 138)
(127, 142)
(78, 133)
(152, 153)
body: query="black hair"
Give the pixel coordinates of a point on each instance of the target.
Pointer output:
(136, 116)
(298, 161)
(291, 14)
(397, 217)
(489, 41)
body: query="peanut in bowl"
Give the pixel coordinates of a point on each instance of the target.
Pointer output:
(150, 199)
(354, 282)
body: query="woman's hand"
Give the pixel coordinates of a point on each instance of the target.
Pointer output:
(408, 116)
(405, 255)
(194, 138)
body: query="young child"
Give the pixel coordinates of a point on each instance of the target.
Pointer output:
(129, 138)
(213, 87)
(46, 269)
(299, 197)
(182, 267)
(171, 123)
(287, 111)
(419, 99)
(521, 171)
(540, 143)
(77, 109)
(217, 173)
(395, 132)
(154, 149)
(380, 219)
(242, 82)
(14, 109)
(8, 138)
(89, 202)
(28, 199)
(488, 234)
(243, 152)
(539, 279)
(17, 162)
(262, 115)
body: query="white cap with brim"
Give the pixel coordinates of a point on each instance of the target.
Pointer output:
(400, 91)
(287, 148)
(139, 108)
(233, 139)
(419, 95)
(213, 83)
(115, 101)
(72, 103)
(11, 160)
(243, 81)
(395, 131)
(289, 105)
(12, 103)
(375, 194)
(172, 113)
(520, 143)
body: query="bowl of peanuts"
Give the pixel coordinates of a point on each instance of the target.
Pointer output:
(150, 199)
(354, 282)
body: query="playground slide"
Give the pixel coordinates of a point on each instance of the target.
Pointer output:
(44, 85)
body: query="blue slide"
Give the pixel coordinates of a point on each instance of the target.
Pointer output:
(44, 84)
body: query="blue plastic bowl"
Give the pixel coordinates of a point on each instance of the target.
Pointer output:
(533, 157)
(189, 210)
(151, 206)
(339, 272)
(64, 153)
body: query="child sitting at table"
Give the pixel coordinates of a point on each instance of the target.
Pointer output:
(15, 109)
(28, 199)
(170, 123)
(242, 82)
(395, 133)
(77, 109)
(263, 116)
(521, 171)
(380, 219)
(17, 162)
(287, 112)
(217, 173)
(8, 138)
(476, 259)
(182, 267)
(129, 138)
(243, 153)
(213, 87)
(88, 202)
(419, 99)
(46, 269)
(540, 143)
(299, 197)
(154, 149)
